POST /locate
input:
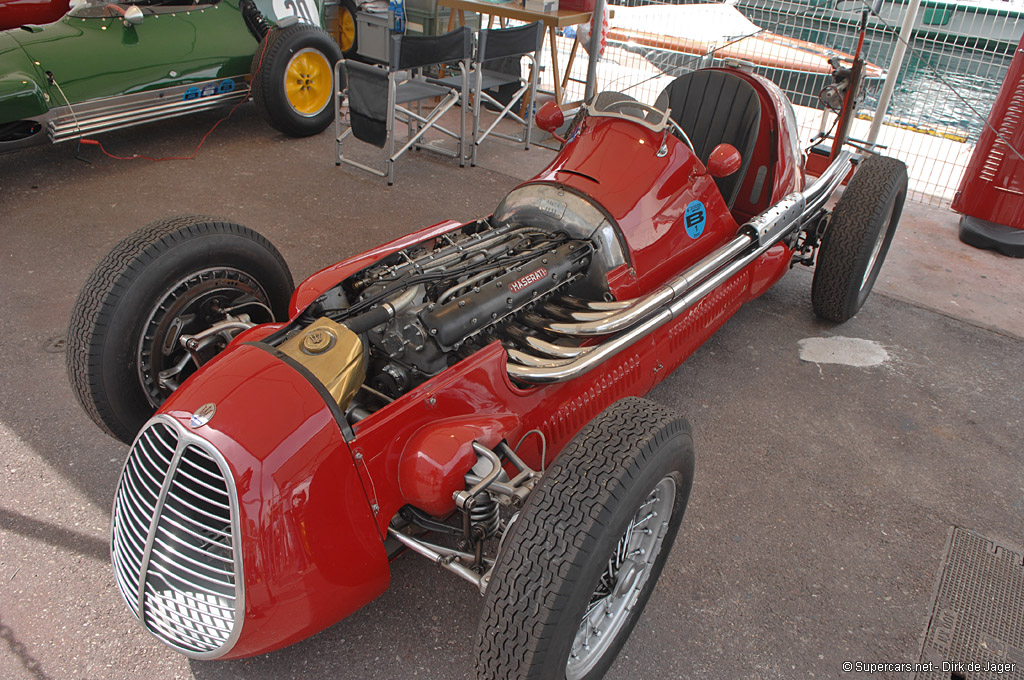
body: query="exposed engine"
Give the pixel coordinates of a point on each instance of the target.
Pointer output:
(426, 307)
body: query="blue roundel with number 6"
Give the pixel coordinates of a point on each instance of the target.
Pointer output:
(694, 217)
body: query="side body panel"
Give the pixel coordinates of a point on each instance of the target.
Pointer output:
(616, 164)
(22, 83)
(92, 55)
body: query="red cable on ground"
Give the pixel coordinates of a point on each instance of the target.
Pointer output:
(97, 143)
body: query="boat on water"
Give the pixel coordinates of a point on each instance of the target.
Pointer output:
(680, 38)
(992, 25)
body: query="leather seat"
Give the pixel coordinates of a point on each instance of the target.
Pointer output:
(716, 107)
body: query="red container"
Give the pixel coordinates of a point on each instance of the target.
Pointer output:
(991, 194)
(577, 5)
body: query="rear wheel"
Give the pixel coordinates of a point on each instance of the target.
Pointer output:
(858, 238)
(174, 277)
(583, 557)
(293, 79)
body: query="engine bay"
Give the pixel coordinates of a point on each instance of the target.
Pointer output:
(426, 307)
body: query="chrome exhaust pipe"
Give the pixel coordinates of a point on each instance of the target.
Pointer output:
(605, 323)
(645, 314)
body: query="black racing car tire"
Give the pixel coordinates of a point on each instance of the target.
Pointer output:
(348, 36)
(292, 82)
(557, 562)
(858, 237)
(171, 277)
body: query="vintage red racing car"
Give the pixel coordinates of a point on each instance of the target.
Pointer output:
(469, 392)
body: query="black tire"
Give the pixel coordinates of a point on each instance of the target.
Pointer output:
(858, 237)
(293, 79)
(171, 277)
(558, 558)
(348, 37)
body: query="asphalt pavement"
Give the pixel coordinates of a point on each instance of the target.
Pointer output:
(824, 491)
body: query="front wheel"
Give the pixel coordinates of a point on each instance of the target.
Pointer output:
(585, 553)
(174, 277)
(293, 79)
(858, 238)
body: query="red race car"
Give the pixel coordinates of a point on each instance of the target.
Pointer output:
(15, 13)
(469, 392)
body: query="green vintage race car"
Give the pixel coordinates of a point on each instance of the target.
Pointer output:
(106, 66)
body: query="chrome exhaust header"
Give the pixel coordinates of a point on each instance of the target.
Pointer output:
(638, 317)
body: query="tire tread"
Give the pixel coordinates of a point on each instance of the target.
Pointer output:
(570, 509)
(103, 290)
(848, 242)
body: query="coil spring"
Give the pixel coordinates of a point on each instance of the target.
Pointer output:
(254, 19)
(485, 514)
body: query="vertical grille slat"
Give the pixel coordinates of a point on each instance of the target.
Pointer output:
(173, 538)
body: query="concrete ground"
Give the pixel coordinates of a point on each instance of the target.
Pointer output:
(824, 491)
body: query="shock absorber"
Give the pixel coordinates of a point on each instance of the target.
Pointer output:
(483, 517)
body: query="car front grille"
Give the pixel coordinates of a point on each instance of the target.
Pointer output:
(174, 541)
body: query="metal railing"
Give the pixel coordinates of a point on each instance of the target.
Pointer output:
(956, 58)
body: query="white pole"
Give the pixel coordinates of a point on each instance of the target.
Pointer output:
(595, 50)
(894, 70)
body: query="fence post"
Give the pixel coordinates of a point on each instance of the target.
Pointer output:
(596, 23)
(894, 70)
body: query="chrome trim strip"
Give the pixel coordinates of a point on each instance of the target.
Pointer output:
(114, 113)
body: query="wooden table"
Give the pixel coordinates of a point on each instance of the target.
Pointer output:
(514, 10)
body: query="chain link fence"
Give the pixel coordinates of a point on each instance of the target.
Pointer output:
(958, 54)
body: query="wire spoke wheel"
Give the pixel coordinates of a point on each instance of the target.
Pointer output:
(191, 305)
(620, 585)
(175, 277)
(574, 573)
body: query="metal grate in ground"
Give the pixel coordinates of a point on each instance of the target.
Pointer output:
(976, 628)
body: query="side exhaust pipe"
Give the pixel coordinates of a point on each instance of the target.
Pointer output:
(641, 316)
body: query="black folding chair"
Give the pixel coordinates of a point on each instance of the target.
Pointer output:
(379, 97)
(499, 79)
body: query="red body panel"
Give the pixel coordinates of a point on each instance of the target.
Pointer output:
(615, 164)
(314, 507)
(14, 13)
(328, 277)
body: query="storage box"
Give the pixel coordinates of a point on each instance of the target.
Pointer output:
(542, 5)
(577, 5)
(374, 31)
(425, 22)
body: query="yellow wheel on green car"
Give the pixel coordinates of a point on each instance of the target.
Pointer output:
(347, 27)
(292, 82)
(307, 82)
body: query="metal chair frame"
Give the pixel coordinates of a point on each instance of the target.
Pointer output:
(407, 83)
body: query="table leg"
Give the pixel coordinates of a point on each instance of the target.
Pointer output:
(572, 58)
(555, 72)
